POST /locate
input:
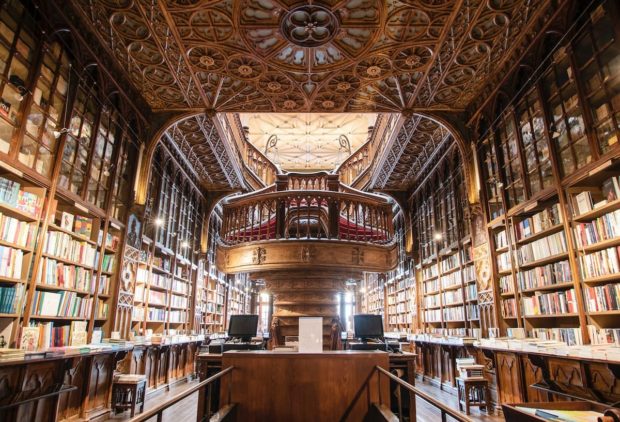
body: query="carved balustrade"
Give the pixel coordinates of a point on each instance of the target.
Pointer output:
(355, 165)
(260, 165)
(309, 214)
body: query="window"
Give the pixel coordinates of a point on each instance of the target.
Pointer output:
(102, 156)
(512, 163)
(79, 137)
(122, 190)
(537, 163)
(491, 177)
(567, 130)
(17, 53)
(597, 54)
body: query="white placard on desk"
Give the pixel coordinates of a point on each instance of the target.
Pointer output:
(311, 335)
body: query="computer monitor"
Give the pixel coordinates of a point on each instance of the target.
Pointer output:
(243, 326)
(368, 326)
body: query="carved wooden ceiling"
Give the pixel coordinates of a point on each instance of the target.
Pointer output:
(327, 56)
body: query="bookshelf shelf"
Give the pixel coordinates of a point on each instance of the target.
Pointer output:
(595, 213)
(54, 227)
(571, 315)
(63, 289)
(557, 286)
(602, 279)
(13, 212)
(539, 235)
(16, 246)
(58, 318)
(68, 261)
(601, 245)
(544, 261)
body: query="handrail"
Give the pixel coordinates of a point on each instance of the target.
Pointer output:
(56, 390)
(159, 409)
(267, 193)
(311, 215)
(260, 164)
(442, 407)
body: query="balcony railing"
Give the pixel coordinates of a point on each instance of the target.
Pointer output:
(260, 165)
(307, 214)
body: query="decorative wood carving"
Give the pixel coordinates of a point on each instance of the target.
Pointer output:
(509, 378)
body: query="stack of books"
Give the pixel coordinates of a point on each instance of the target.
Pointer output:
(11, 354)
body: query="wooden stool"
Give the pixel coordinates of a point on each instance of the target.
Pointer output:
(127, 391)
(473, 392)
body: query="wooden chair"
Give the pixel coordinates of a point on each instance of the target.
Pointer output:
(127, 392)
(473, 392)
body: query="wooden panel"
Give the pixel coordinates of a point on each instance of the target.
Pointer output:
(509, 378)
(532, 373)
(100, 382)
(303, 387)
(75, 373)
(150, 366)
(37, 378)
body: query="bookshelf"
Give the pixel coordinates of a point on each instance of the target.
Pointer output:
(374, 290)
(548, 169)
(21, 205)
(445, 266)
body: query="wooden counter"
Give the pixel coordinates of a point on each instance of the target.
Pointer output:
(282, 386)
(516, 372)
(92, 374)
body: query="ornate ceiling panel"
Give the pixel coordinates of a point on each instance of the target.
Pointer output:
(199, 141)
(333, 55)
(308, 141)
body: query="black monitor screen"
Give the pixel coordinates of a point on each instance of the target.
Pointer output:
(368, 326)
(243, 326)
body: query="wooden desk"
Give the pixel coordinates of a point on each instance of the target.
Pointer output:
(209, 364)
(281, 386)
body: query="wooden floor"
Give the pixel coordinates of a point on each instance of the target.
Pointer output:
(185, 410)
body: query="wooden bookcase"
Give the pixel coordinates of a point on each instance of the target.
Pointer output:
(556, 152)
(445, 273)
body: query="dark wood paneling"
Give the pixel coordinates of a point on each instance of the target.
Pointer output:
(303, 387)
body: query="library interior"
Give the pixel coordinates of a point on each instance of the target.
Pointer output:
(322, 210)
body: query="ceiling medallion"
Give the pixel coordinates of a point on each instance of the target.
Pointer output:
(207, 61)
(309, 25)
(343, 86)
(373, 71)
(289, 104)
(328, 104)
(245, 70)
(274, 86)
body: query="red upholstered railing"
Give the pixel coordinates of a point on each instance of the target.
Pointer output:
(333, 211)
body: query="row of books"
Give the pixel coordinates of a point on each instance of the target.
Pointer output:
(602, 298)
(62, 245)
(77, 224)
(554, 244)
(11, 261)
(604, 335)
(43, 336)
(449, 263)
(431, 301)
(430, 272)
(432, 315)
(104, 284)
(509, 308)
(603, 228)
(54, 273)
(450, 280)
(584, 202)
(61, 304)
(102, 309)
(454, 313)
(431, 285)
(452, 297)
(469, 274)
(180, 287)
(501, 240)
(555, 273)
(600, 263)
(471, 292)
(503, 261)
(179, 301)
(12, 195)
(161, 280)
(505, 284)
(10, 298)
(17, 232)
(473, 312)
(108, 263)
(177, 316)
(562, 302)
(539, 222)
(570, 336)
(401, 319)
